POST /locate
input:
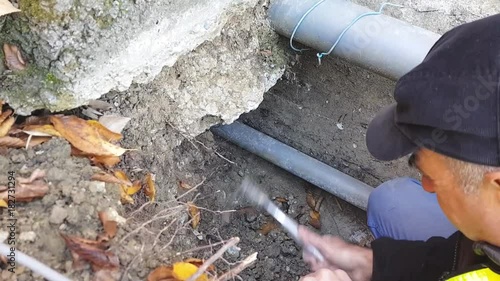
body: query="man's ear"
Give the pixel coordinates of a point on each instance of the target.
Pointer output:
(492, 179)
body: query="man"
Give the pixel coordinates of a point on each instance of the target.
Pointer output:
(447, 116)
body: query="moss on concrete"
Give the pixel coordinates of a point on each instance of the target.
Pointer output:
(34, 9)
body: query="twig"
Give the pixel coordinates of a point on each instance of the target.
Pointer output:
(157, 238)
(190, 139)
(214, 151)
(139, 209)
(175, 234)
(146, 223)
(239, 268)
(338, 204)
(201, 248)
(233, 241)
(132, 262)
(211, 211)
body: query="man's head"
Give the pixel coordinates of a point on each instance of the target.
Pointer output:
(447, 113)
(468, 193)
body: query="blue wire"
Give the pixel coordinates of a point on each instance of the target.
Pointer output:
(320, 55)
(300, 22)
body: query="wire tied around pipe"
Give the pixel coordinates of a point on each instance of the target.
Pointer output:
(354, 21)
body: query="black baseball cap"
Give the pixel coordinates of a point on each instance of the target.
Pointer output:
(450, 103)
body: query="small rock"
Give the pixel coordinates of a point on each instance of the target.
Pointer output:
(354, 145)
(73, 215)
(288, 249)
(30, 153)
(251, 216)
(113, 215)
(233, 252)
(56, 174)
(49, 199)
(77, 196)
(18, 158)
(28, 236)
(58, 215)
(241, 173)
(97, 187)
(89, 233)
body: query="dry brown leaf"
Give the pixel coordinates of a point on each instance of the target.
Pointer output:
(92, 252)
(109, 178)
(12, 142)
(149, 187)
(7, 8)
(315, 219)
(104, 132)
(311, 202)
(13, 57)
(6, 125)
(29, 188)
(6, 114)
(46, 130)
(162, 273)
(121, 175)
(134, 188)
(114, 123)
(125, 198)
(3, 204)
(184, 185)
(110, 226)
(107, 161)
(28, 192)
(183, 270)
(195, 214)
(199, 262)
(281, 200)
(84, 136)
(268, 227)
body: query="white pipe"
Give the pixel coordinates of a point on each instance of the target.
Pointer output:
(385, 45)
(33, 264)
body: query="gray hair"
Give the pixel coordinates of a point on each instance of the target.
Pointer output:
(469, 175)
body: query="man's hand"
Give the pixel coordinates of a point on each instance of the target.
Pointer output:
(356, 261)
(327, 275)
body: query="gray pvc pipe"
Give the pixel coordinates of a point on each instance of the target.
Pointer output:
(383, 44)
(297, 163)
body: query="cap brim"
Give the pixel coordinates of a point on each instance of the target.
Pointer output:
(384, 140)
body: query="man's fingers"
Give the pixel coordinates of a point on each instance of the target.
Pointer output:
(314, 264)
(327, 245)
